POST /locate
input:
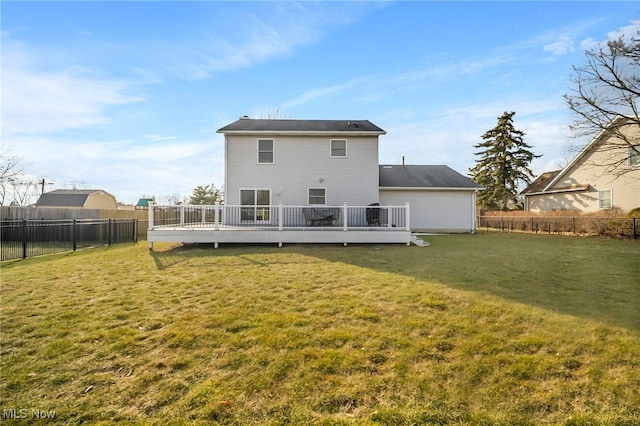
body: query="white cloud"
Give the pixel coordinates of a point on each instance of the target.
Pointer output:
(263, 36)
(321, 92)
(626, 32)
(561, 47)
(160, 138)
(125, 168)
(36, 101)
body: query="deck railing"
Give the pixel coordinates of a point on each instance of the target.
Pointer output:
(279, 217)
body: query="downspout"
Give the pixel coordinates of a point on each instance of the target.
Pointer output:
(473, 212)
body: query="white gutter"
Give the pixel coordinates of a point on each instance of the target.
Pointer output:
(425, 188)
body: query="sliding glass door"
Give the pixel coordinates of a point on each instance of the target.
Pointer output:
(257, 205)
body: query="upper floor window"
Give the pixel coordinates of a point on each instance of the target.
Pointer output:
(318, 196)
(265, 151)
(605, 200)
(338, 148)
(634, 156)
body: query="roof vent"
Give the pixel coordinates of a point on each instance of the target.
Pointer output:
(244, 117)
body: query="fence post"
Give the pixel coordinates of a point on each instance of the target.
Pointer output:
(344, 214)
(74, 237)
(109, 232)
(24, 238)
(135, 231)
(216, 216)
(634, 229)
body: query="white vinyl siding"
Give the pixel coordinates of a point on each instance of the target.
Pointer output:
(317, 196)
(265, 151)
(605, 199)
(303, 163)
(435, 211)
(338, 148)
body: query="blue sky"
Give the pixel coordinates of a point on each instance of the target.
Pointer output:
(127, 96)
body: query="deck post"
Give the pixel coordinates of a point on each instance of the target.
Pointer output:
(344, 215)
(204, 214)
(280, 218)
(182, 215)
(389, 215)
(150, 224)
(216, 216)
(407, 212)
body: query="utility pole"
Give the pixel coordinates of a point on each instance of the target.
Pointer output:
(42, 184)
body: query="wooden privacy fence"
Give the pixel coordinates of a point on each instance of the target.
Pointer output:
(628, 227)
(26, 238)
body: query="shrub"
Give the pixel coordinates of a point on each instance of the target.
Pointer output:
(634, 212)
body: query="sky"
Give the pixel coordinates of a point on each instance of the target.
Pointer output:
(127, 96)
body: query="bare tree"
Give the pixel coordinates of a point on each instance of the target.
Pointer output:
(273, 114)
(605, 88)
(10, 169)
(24, 192)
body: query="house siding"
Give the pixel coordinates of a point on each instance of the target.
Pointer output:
(435, 210)
(625, 188)
(300, 162)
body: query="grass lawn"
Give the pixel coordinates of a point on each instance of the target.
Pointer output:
(475, 329)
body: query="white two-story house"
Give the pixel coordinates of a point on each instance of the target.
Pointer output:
(301, 162)
(318, 181)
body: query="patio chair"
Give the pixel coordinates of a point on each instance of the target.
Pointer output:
(373, 215)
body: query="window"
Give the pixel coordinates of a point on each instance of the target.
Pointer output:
(634, 156)
(265, 151)
(318, 196)
(605, 199)
(338, 148)
(257, 202)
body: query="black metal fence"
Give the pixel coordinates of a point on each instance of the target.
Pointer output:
(27, 238)
(625, 227)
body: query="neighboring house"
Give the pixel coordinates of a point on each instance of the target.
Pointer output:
(78, 198)
(442, 200)
(589, 183)
(332, 162)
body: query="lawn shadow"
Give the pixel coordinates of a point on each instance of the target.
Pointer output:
(567, 275)
(587, 278)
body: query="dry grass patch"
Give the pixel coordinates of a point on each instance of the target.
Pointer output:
(484, 329)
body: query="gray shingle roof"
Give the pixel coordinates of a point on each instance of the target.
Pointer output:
(541, 182)
(296, 126)
(423, 176)
(65, 198)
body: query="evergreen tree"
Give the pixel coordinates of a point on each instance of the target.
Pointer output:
(503, 163)
(207, 194)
